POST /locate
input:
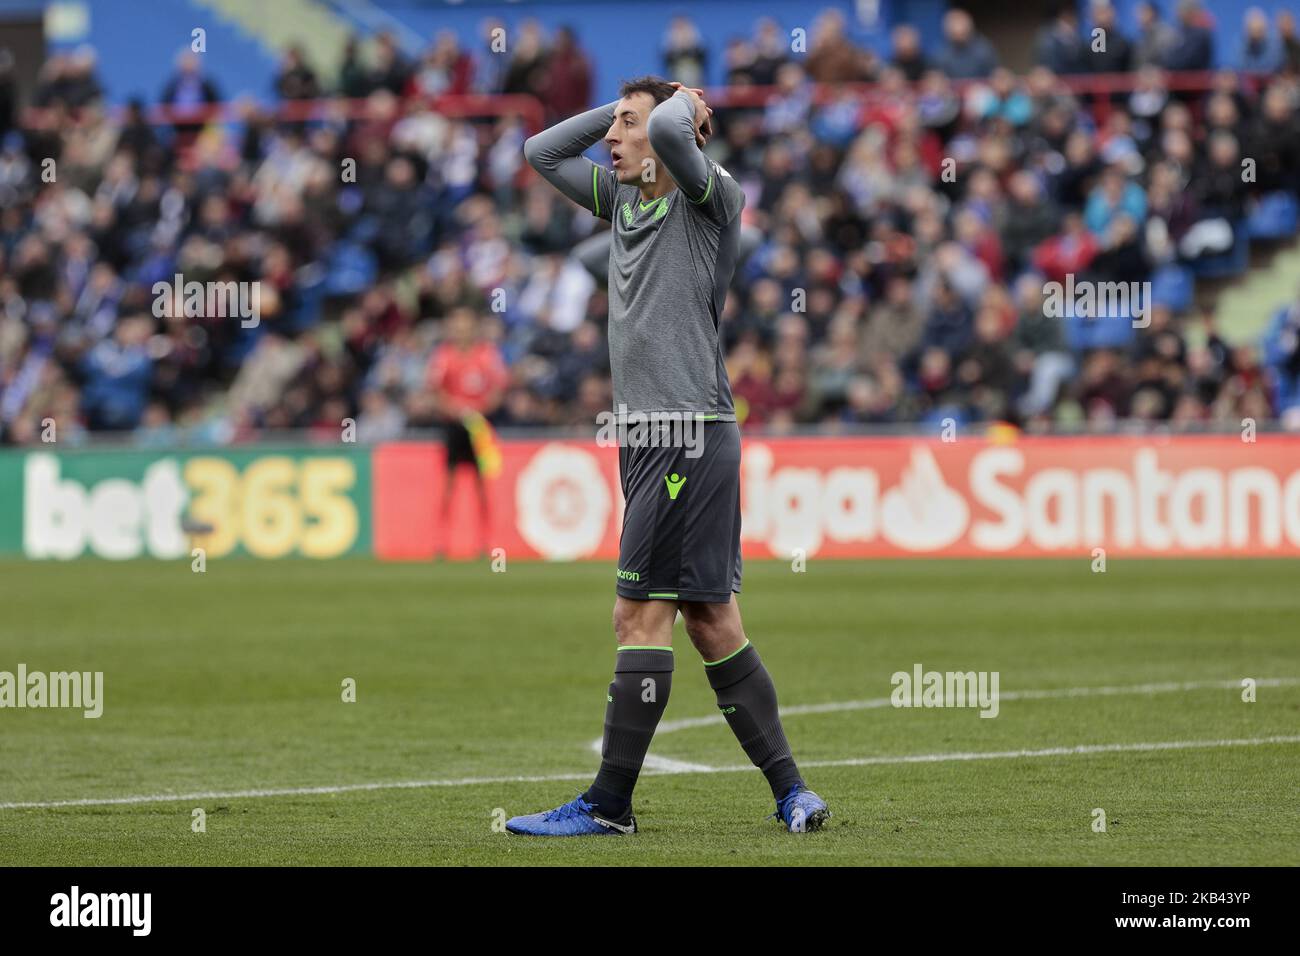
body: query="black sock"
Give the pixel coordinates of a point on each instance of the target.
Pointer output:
(643, 676)
(747, 699)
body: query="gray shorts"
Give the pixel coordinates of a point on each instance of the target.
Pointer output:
(681, 524)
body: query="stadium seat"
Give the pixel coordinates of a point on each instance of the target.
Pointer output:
(1102, 332)
(1274, 217)
(311, 288)
(352, 269)
(1276, 351)
(1231, 263)
(1173, 286)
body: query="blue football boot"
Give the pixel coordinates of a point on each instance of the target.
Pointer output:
(801, 810)
(575, 818)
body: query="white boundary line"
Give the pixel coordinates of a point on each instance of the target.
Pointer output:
(1081, 749)
(672, 726)
(679, 767)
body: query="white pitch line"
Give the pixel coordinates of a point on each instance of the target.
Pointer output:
(662, 766)
(1081, 749)
(686, 723)
(288, 791)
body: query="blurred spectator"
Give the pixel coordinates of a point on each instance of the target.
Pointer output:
(354, 78)
(117, 373)
(444, 69)
(770, 49)
(832, 57)
(1117, 53)
(567, 87)
(1058, 46)
(525, 74)
(1262, 50)
(684, 53)
(1193, 46)
(1155, 39)
(1114, 196)
(906, 53)
(296, 80)
(491, 63)
(1286, 32)
(188, 92)
(8, 92)
(390, 69)
(965, 53)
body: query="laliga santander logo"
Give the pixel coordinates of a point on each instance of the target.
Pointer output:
(922, 513)
(562, 501)
(793, 507)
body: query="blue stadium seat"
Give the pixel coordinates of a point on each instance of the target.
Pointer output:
(1173, 286)
(1271, 344)
(352, 269)
(1231, 263)
(311, 288)
(1273, 217)
(1101, 332)
(1286, 387)
(242, 344)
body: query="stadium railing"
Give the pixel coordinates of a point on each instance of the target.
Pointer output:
(1099, 88)
(462, 106)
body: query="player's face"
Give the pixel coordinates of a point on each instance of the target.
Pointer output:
(629, 147)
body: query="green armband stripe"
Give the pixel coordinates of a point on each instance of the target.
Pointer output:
(707, 190)
(595, 191)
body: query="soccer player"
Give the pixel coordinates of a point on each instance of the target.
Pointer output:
(676, 227)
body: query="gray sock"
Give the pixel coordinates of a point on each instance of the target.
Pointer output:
(747, 698)
(643, 676)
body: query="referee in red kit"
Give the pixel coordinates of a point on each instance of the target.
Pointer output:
(468, 379)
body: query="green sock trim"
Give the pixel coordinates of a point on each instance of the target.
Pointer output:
(643, 647)
(729, 656)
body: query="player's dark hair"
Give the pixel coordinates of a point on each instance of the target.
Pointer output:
(658, 88)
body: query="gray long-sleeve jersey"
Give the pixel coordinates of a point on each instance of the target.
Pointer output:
(670, 260)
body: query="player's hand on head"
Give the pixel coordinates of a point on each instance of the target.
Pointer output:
(703, 114)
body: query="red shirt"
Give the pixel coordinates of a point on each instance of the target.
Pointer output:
(468, 378)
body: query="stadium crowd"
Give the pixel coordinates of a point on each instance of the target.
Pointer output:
(908, 228)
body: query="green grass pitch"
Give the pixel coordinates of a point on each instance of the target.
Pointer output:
(468, 680)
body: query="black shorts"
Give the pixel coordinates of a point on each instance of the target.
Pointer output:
(681, 523)
(460, 449)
